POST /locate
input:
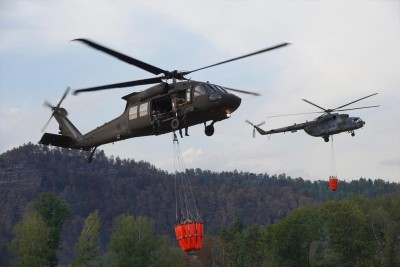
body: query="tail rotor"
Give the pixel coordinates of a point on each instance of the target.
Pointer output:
(56, 108)
(254, 126)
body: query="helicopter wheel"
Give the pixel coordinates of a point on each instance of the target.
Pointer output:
(209, 130)
(353, 134)
(326, 138)
(175, 124)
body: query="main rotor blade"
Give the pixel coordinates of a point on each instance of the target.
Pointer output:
(236, 58)
(311, 103)
(355, 101)
(119, 85)
(125, 58)
(294, 114)
(356, 108)
(242, 91)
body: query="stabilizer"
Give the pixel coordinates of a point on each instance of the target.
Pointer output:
(56, 140)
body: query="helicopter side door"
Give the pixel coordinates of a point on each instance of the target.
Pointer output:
(161, 114)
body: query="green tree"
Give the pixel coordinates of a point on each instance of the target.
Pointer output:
(88, 247)
(349, 233)
(54, 212)
(232, 244)
(290, 239)
(390, 227)
(166, 256)
(133, 242)
(252, 246)
(241, 246)
(31, 242)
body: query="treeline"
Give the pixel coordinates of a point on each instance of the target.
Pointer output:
(355, 232)
(115, 186)
(133, 241)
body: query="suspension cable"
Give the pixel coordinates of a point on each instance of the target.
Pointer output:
(183, 189)
(332, 165)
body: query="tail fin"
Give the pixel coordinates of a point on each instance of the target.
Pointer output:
(260, 131)
(65, 125)
(256, 127)
(68, 131)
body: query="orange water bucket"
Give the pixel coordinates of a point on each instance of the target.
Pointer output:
(333, 183)
(189, 235)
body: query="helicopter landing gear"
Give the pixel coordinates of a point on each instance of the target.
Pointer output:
(353, 133)
(89, 159)
(175, 138)
(326, 138)
(209, 130)
(175, 124)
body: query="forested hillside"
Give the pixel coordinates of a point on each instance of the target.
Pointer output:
(115, 186)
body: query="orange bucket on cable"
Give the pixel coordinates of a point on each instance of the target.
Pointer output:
(190, 235)
(333, 183)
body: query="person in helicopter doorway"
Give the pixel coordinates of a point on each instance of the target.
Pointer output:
(186, 132)
(155, 121)
(181, 102)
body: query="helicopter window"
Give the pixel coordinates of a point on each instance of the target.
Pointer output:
(216, 88)
(133, 112)
(221, 88)
(199, 90)
(143, 110)
(211, 88)
(188, 95)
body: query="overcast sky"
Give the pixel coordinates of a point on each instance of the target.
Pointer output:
(341, 51)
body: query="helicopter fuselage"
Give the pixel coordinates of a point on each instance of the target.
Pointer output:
(335, 123)
(160, 109)
(323, 126)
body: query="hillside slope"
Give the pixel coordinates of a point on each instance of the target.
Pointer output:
(115, 186)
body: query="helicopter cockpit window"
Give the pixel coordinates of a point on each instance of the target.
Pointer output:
(199, 90)
(212, 89)
(221, 88)
(216, 88)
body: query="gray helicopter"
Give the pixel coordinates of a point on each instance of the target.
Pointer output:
(323, 126)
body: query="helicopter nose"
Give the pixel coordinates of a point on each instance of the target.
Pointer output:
(360, 123)
(233, 102)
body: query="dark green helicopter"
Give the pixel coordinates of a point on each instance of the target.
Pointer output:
(162, 108)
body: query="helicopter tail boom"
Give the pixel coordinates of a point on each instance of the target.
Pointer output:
(68, 136)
